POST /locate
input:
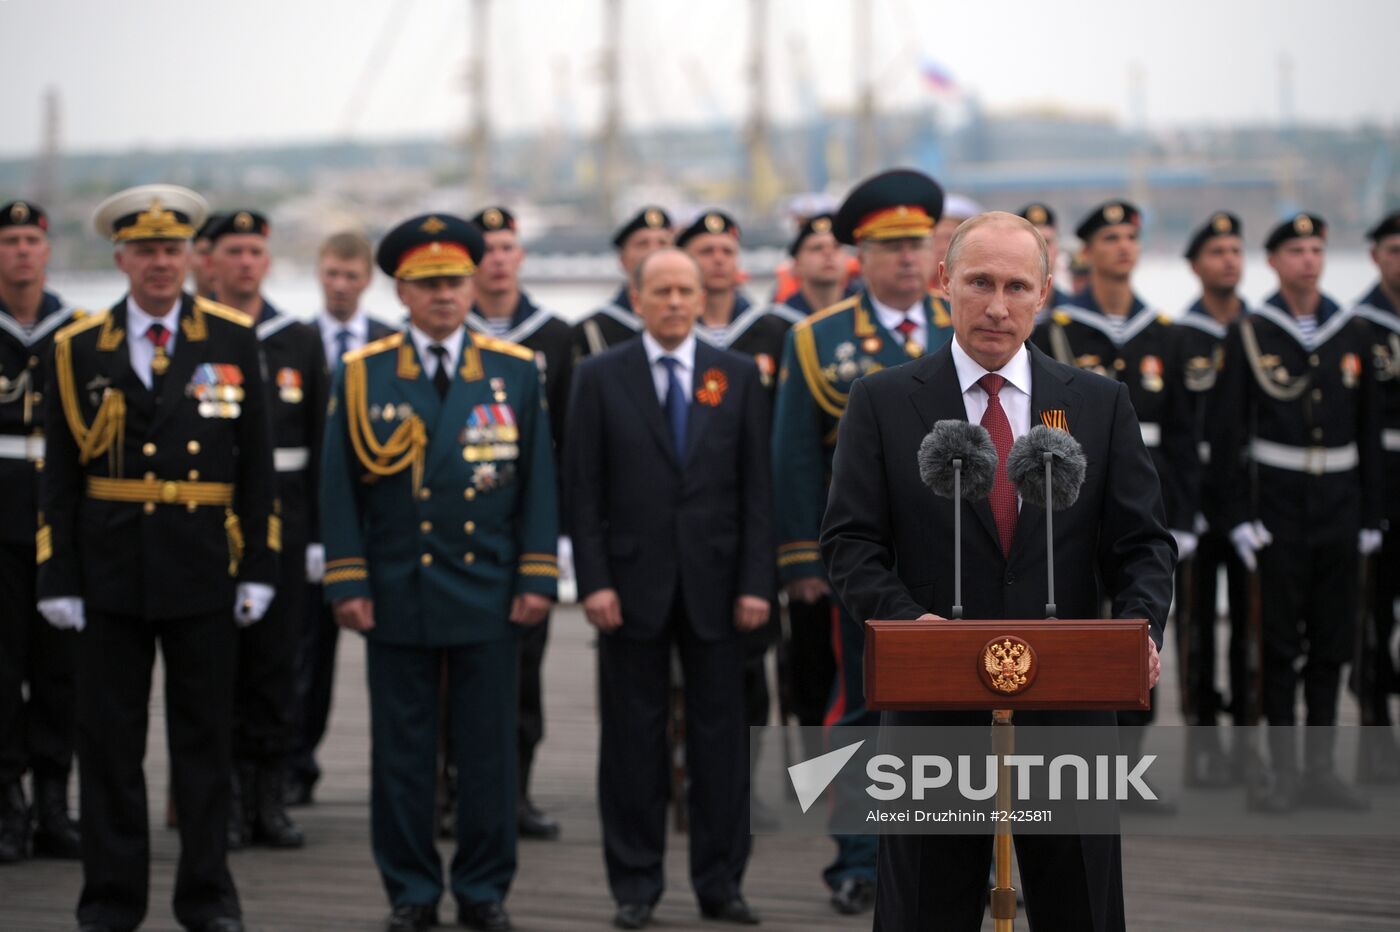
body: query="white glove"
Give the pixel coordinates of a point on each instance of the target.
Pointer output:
(315, 562)
(1368, 541)
(63, 612)
(251, 602)
(566, 558)
(1186, 544)
(1249, 538)
(1200, 525)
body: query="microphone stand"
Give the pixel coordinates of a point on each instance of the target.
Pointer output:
(957, 609)
(1049, 536)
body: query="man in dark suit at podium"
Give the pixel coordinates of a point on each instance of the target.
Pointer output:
(669, 504)
(884, 542)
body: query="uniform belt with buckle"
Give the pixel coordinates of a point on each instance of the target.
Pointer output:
(290, 459)
(1315, 461)
(22, 447)
(160, 491)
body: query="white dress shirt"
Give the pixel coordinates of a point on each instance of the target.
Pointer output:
(453, 345)
(891, 318)
(1015, 395)
(358, 325)
(685, 372)
(139, 346)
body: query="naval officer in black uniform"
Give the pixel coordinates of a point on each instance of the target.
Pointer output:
(502, 309)
(265, 694)
(159, 526)
(36, 729)
(648, 230)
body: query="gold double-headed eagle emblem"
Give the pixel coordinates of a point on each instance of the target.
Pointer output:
(1009, 663)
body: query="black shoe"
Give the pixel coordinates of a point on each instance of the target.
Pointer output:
(632, 915)
(55, 832)
(14, 824)
(299, 790)
(412, 918)
(531, 823)
(1277, 794)
(490, 916)
(1378, 759)
(221, 924)
(1323, 789)
(853, 896)
(272, 827)
(733, 910)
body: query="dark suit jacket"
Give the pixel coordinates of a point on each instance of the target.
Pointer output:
(887, 540)
(648, 526)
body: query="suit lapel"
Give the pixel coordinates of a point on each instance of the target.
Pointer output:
(939, 398)
(1053, 403)
(636, 376)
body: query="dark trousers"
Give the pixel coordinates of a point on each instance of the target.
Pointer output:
(530, 724)
(855, 854)
(115, 658)
(405, 709)
(35, 733)
(1310, 591)
(757, 699)
(939, 882)
(1385, 589)
(1215, 552)
(808, 661)
(265, 690)
(315, 682)
(633, 775)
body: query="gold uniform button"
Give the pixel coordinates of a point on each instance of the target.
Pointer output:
(1119, 365)
(424, 494)
(191, 507)
(194, 475)
(33, 362)
(426, 527)
(149, 508)
(169, 491)
(469, 558)
(426, 559)
(193, 447)
(470, 527)
(469, 495)
(1313, 360)
(148, 449)
(1317, 394)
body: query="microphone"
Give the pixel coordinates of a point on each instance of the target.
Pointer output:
(1047, 467)
(957, 460)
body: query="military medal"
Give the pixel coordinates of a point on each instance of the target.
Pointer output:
(484, 476)
(218, 387)
(1351, 370)
(498, 389)
(160, 362)
(1151, 371)
(289, 385)
(388, 412)
(871, 345)
(913, 349)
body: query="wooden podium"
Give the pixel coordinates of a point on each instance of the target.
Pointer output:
(1002, 666)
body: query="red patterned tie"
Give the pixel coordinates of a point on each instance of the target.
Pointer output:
(906, 328)
(1003, 497)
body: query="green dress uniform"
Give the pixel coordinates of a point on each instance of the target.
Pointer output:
(441, 510)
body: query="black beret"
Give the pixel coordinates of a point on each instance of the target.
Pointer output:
(1389, 226)
(711, 221)
(820, 223)
(648, 218)
(431, 246)
(24, 214)
(1107, 215)
(896, 204)
(1038, 213)
(1299, 225)
(494, 218)
(210, 222)
(234, 222)
(1221, 223)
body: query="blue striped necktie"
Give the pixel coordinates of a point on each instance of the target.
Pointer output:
(677, 405)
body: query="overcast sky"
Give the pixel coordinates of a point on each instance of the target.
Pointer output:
(167, 73)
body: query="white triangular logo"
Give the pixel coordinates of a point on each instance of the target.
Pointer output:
(811, 777)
